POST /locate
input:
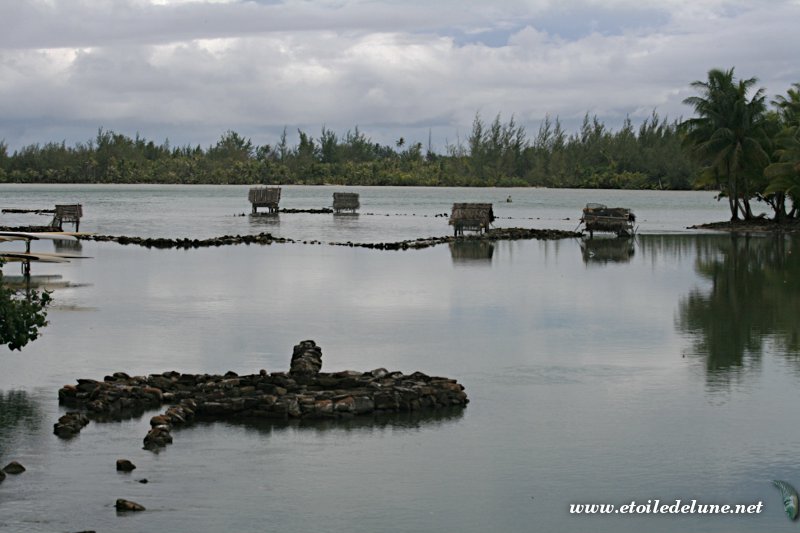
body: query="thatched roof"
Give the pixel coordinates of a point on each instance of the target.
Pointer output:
(345, 200)
(482, 214)
(598, 217)
(264, 195)
(600, 210)
(68, 212)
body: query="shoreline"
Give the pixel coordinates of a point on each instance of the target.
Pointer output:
(760, 225)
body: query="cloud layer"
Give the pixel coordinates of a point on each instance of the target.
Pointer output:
(189, 70)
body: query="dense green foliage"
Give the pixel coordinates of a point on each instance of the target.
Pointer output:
(21, 316)
(746, 151)
(783, 174)
(494, 154)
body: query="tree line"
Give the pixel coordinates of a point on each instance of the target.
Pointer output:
(495, 153)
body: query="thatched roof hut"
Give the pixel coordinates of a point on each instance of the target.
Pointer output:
(598, 217)
(345, 201)
(268, 197)
(471, 217)
(67, 213)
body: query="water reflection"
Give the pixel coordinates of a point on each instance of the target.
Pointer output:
(41, 282)
(44, 281)
(603, 251)
(18, 411)
(471, 252)
(345, 221)
(68, 246)
(674, 248)
(752, 304)
(262, 221)
(411, 420)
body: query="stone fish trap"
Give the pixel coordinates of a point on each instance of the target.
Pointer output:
(302, 393)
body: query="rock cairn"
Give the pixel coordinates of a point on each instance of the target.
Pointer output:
(302, 393)
(306, 360)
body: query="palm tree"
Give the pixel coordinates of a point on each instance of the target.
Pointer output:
(728, 136)
(789, 106)
(784, 174)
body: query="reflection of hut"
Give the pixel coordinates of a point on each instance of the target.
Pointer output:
(268, 197)
(604, 251)
(71, 213)
(68, 246)
(345, 202)
(46, 282)
(471, 217)
(471, 251)
(598, 217)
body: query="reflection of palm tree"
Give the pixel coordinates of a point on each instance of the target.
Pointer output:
(754, 296)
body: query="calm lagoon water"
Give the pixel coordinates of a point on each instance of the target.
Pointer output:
(598, 372)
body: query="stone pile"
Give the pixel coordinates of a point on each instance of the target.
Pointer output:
(306, 360)
(302, 393)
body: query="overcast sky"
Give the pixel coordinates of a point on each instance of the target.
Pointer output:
(188, 70)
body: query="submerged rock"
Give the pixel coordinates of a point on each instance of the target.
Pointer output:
(126, 505)
(71, 423)
(124, 465)
(14, 468)
(2, 476)
(157, 437)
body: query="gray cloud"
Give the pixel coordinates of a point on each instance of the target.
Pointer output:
(191, 70)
